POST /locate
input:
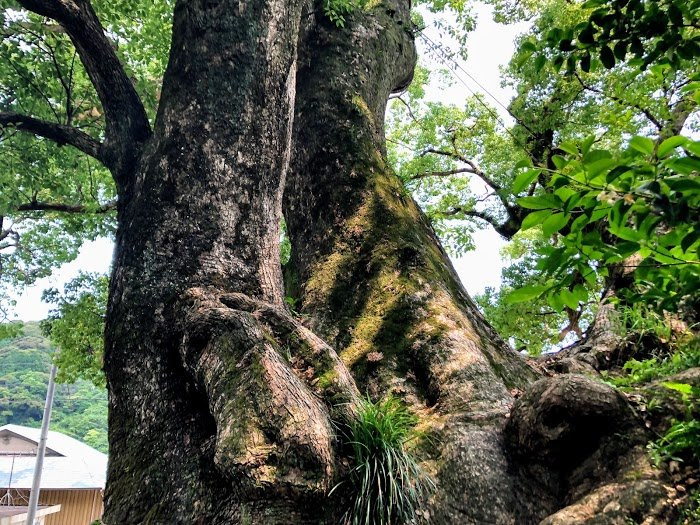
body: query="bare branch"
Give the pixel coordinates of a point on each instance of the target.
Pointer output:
(447, 173)
(58, 133)
(67, 208)
(408, 107)
(474, 168)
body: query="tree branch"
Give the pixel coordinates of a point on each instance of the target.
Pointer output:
(474, 168)
(126, 121)
(58, 133)
(506, 229)
(66, 208)
(447, 173)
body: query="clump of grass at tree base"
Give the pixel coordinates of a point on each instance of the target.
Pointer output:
(385, 484)
(685, 356)
(682, 439)
(678, 352)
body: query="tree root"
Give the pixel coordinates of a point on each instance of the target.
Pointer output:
(274, 390)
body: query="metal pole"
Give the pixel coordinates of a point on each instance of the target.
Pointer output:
(36, 483)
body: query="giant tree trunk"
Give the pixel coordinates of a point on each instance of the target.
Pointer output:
(208, 421)
(222, 404)
(368, 270)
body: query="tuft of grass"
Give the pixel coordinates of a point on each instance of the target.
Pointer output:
(682, 439)
(386, 484)
(686, 355)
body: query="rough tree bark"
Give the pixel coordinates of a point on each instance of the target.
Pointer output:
(222, 403)
(368, 271)
(208, 420)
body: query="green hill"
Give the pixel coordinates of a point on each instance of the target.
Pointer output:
(79, 410)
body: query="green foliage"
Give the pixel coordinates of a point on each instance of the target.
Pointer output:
(338, 10)
(76, 327)
(532, 325)
(606, 209)
(453, 159)
(80, 408)
(386, 484)
(41, 75)
(691, 511)
(684, 353)
(682, 439)
(649, 31)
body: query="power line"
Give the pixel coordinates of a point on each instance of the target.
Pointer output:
(444, 58)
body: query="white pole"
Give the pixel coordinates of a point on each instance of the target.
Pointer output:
(36, 483)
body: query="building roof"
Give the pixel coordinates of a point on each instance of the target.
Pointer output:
(71, 465)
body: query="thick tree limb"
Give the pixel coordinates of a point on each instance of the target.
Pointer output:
(447, 173)
(58, 133)
(126, 120)
(67, 208)
(506, 229)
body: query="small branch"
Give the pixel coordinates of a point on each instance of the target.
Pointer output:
(408, 107)
(474, 168)
(447, 173)
(58, 133)
(66, 208)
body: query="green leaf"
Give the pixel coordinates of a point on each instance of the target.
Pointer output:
(539, 202)
(607, 57)
(523, 180)
(668, 145)
(693, 147)
(690, 239)
(554, 223)
(586, 63)
(642, 144)
(683, 184)
(569, 147)
(620, 50)
(559, 161)
(540, 61)
(682, 388)
(534, 219)
(526, 293)
(528, 46)
(616, 172)
(570, 299)
(685, 165)
(596, 168)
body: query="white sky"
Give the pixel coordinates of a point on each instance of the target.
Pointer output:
(489, 47)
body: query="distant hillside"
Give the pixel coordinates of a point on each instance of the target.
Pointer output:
(79, 410)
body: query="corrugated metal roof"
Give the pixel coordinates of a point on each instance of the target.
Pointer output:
(79, 466)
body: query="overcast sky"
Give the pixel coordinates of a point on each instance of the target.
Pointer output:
(489, 47)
